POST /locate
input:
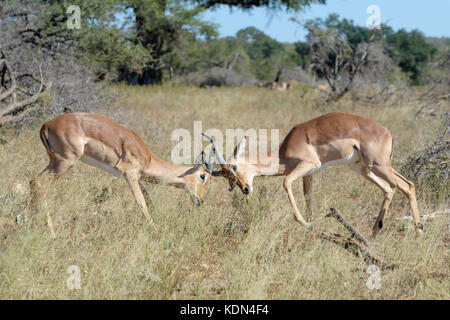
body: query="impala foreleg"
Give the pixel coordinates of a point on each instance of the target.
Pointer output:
(406, 187)
(133, 182)
(384, 208)
(307, 192)
(300, 171)
(388, 192)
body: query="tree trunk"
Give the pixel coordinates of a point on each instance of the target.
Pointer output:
(150, 76)
(151, 35)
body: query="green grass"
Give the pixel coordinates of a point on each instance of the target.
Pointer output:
(233, 246)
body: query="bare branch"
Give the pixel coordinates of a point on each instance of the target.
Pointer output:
(335, 214)
(15, 105)
(10, 91)
(335, 59)
(356, 243)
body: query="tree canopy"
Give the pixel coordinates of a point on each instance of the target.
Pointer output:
(146, 41)
(292, 5)
(139, 38)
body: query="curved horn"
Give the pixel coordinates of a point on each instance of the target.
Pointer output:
(214, 148)
(210, 164)
(197, 164)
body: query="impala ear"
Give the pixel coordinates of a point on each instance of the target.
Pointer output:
(239, 151)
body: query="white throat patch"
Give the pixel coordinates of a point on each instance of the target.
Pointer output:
(250, 182)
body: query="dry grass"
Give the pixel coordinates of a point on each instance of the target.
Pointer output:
(232, 247)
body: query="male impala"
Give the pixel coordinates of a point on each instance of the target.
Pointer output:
(100, 142)
(331, 139)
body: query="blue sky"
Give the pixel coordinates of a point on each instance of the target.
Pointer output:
(432, 17)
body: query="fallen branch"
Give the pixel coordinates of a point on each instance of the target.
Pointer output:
(426, 94)
(355, 233)
(19, 117)
(378, 98)
(430, 103)
(356, 243)
(445, 96)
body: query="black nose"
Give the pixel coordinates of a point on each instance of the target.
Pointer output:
(246, 191)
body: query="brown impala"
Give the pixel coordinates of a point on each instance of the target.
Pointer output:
(331, 139)
(100, 142)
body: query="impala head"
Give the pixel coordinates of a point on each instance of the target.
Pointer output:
(196, 179)
(236, 170)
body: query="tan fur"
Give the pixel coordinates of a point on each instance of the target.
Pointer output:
(101, 142)
(331, 139)
(282, 86)
(322, 87)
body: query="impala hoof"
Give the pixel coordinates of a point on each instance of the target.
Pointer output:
(419, 233)
(375, 231)
(419, 230)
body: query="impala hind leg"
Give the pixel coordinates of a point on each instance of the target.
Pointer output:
(39, 187)
(406, 187)
(388, 192)
(300, 171)
(307, 192)
(133, 182)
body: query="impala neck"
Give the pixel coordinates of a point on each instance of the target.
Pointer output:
(267, 165)
(160, 171)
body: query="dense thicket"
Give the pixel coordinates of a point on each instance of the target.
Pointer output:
(143, 41)
(409, 50)
(38, 68)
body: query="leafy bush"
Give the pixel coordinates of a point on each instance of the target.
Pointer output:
(218, 77)
(295, 74)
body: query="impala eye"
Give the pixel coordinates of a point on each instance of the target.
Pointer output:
(234, 167)
(203, 177)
